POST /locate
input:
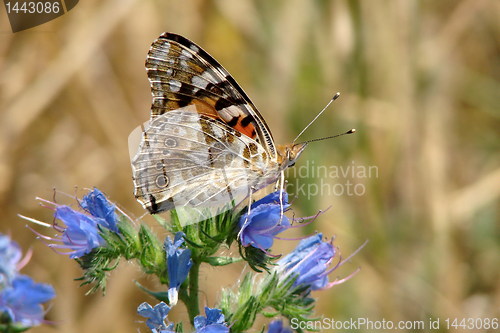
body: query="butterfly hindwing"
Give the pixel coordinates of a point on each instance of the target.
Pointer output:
(187, 159)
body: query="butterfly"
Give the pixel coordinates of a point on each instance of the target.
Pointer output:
(206, 144)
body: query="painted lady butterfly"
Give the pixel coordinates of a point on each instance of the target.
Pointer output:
(206, 145)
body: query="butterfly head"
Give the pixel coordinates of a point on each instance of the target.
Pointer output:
(288, 154)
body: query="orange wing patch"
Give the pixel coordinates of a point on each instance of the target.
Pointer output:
(245, 126)
(205, 107)
(232, 116)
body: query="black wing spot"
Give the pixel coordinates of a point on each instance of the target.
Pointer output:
(184, 95)
(215, 89)
(222, 103)
(153, 207)
(246, 121)
(233, 121)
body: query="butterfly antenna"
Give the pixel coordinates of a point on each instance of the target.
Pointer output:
(337, 95)
(353, 130)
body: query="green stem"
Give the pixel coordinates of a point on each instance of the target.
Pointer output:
(192, 300)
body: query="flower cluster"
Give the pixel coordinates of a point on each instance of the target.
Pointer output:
(81, 232)
(97, 235)
(213, 322)
(286, 288)
(21, 298)
(156, 317)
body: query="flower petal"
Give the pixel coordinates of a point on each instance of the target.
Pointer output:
(23, 300)
(97, 205)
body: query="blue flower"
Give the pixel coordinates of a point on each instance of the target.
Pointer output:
(20, 297)
(212, 323)
(97, 205)
(81, 234)
(22, 301)
(82, 230)
(309, 263)
(10, 255)
(178, 264)
(156, 317)
(277, 327)
(272, 198)
(264, 222)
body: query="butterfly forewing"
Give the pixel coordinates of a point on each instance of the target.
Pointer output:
(206, 147)
(181, 73)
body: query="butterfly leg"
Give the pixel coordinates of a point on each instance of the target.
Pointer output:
(281, 186)
(252, 189)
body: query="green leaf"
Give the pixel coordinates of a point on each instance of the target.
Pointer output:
(161, 296)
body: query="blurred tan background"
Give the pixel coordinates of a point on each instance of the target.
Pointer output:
(419, 81)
